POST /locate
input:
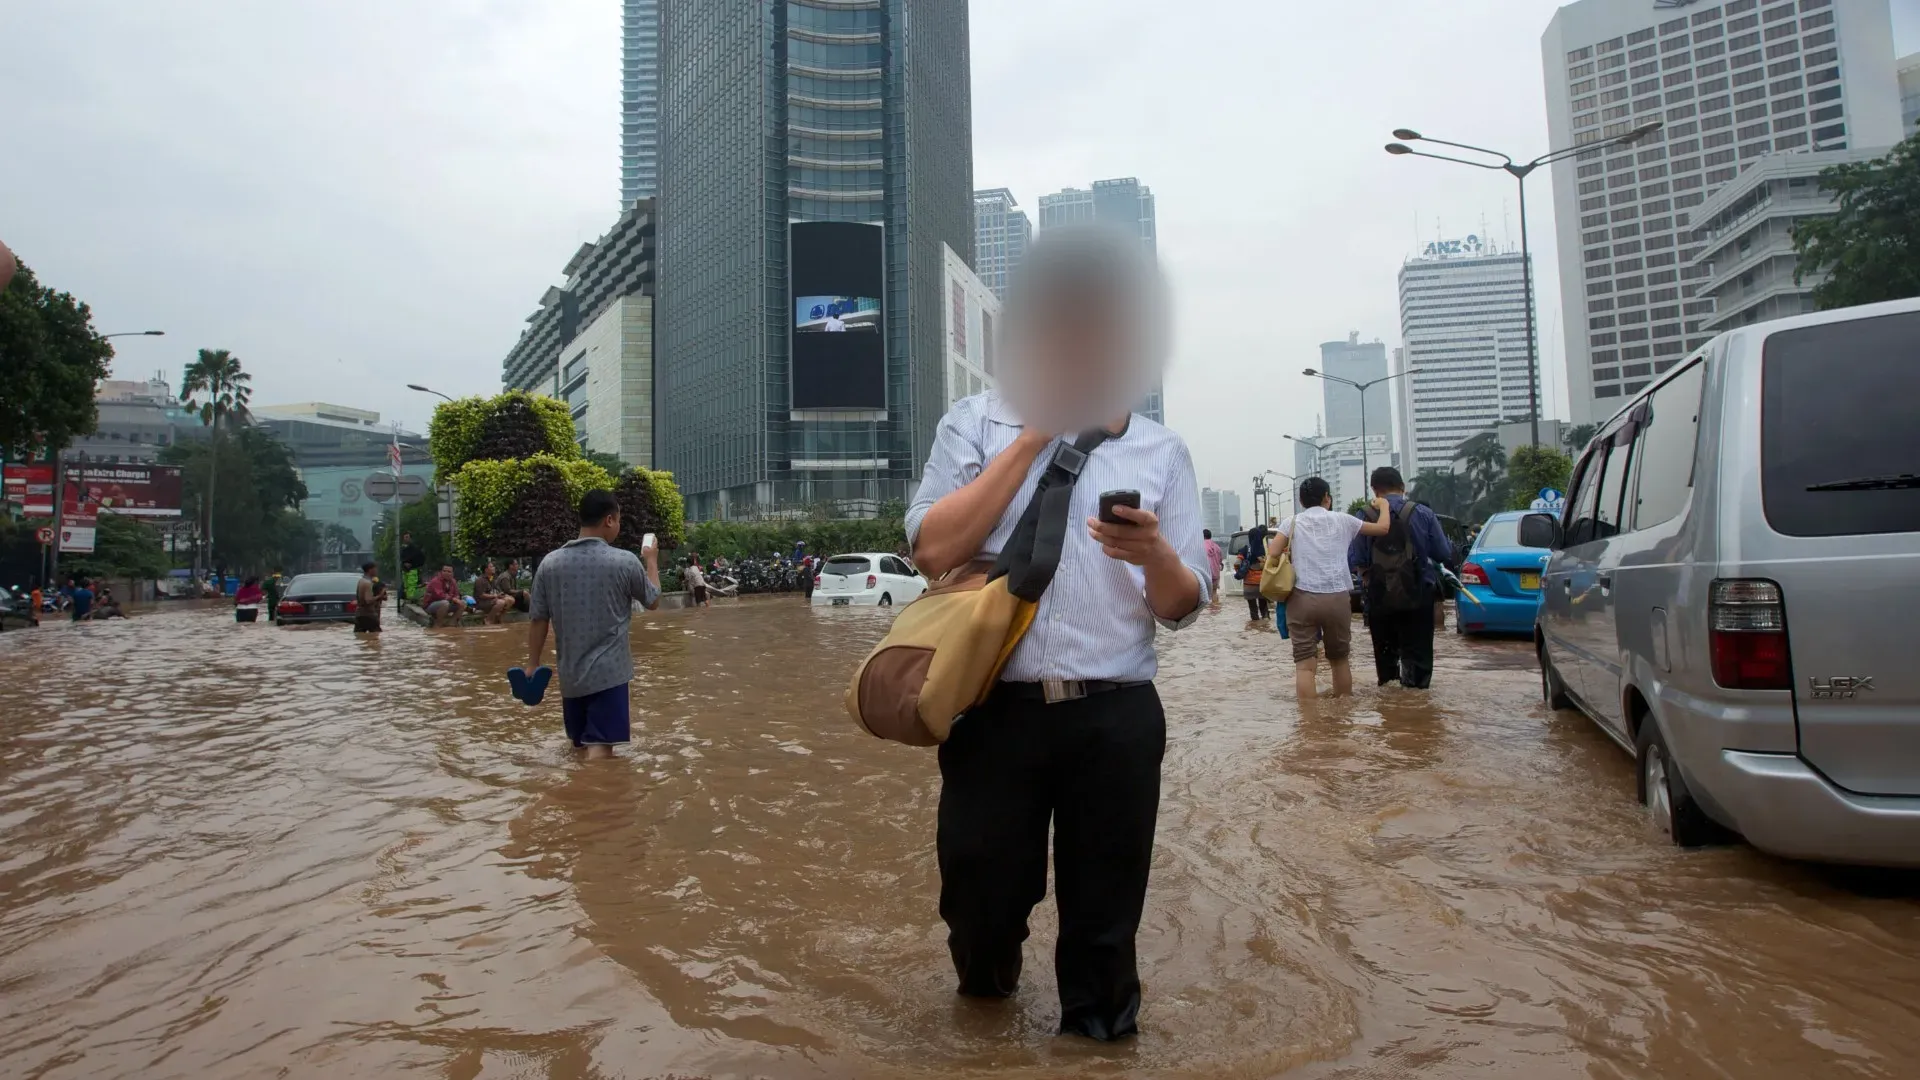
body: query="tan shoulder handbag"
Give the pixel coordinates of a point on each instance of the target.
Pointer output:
(1276, 577)
(946, 649)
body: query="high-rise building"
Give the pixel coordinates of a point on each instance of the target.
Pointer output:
(591, 340)
(1361, 362)
(1748, 268)
(1126, 203)
(1463, 316)
(639, 101)
(817, 154)
(1909, 74)
(1732, 82)
(971, 312)
(1001, 235)
(1229, 516)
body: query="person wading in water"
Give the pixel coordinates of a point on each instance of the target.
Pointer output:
(1072, 736)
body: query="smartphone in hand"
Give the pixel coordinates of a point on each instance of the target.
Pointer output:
(649, 542)
(1111, 499)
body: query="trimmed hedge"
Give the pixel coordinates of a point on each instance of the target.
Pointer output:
(515, 424)
(521, 507)
(751, 539)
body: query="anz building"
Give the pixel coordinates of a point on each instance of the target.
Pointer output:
(815, 156)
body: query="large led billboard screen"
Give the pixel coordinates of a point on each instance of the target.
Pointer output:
(839, 331)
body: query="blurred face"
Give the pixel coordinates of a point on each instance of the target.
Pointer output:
(446, 571)
(1076, 365)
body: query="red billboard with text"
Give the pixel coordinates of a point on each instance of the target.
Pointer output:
(133, 490)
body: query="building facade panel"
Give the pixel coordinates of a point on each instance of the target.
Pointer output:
(1731, 83)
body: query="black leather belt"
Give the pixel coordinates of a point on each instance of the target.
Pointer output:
(1054, 691)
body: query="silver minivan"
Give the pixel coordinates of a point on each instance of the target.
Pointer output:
(1734, 591)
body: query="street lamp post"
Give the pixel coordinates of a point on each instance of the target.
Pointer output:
(1366, 471)
(135, 333)
(1520, 172)
(428, 390)
(1319, 451)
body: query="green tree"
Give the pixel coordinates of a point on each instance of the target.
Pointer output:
(1530, 468)
(1576, 438)
(1869, 248)
(337, 540)
(255, 517)
(1358, 505)
(52, 357)
(123, 547)
(216, 387)
(610, 462)
(1484, 460)
(1447, 492)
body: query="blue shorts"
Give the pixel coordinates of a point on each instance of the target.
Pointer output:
(599, 718)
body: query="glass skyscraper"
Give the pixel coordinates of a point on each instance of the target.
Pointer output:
(775, 115)
(639, 101)
(1002, 232)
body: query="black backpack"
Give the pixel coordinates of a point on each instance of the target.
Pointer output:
(1397, 581)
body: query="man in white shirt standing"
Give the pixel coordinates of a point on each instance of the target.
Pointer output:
(1074, 733)
(1319, 609)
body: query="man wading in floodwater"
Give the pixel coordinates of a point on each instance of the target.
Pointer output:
(585, 591)
(1074, 732)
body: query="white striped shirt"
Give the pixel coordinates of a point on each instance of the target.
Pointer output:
(1093, 622)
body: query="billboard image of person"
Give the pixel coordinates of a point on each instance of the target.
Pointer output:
(835, 314)
(839, 354)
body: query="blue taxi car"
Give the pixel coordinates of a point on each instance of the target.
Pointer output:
(1500, 576)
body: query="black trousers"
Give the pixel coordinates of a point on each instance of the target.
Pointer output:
(1092, 768)
(1402, 642)
(1257, 608)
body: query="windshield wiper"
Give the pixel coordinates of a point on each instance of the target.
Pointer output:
(1894, 482)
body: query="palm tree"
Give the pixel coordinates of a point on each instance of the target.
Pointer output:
(1485, 460)
(1446, 491)
(216, 387)
(1577, 437)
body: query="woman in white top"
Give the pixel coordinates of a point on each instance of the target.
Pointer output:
(1317, 538)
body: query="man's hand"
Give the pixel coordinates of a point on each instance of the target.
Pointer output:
(1135, 540)
(1032, 440)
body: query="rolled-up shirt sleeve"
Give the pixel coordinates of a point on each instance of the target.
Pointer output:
(1181, 525)
(956, 458)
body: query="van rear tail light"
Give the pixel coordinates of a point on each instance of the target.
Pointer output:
(1473, 574)
(1747, 628)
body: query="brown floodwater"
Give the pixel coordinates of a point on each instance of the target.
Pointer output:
(237, 851)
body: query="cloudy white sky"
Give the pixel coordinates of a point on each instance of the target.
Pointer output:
(359, 194)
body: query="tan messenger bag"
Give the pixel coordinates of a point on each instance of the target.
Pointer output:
(947, 648)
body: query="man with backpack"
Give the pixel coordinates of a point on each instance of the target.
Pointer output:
(1401, 582)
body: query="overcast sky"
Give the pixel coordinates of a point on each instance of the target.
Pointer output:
(359, 194)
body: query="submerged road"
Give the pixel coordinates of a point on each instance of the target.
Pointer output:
(247, 851)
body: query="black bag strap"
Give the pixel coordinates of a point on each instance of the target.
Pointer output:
(1032, 554)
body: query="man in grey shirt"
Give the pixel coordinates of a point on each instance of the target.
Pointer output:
(585, 592)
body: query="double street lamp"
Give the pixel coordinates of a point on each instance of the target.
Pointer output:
(1366, 471)
(1520, 172)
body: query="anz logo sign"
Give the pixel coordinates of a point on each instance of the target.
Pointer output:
(1448, 249)
(1671, 5)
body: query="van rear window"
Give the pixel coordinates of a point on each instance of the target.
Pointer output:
(1839, 438)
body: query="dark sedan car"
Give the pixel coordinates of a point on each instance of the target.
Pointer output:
(312, 598)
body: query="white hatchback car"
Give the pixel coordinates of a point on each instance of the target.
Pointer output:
(870, 579)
